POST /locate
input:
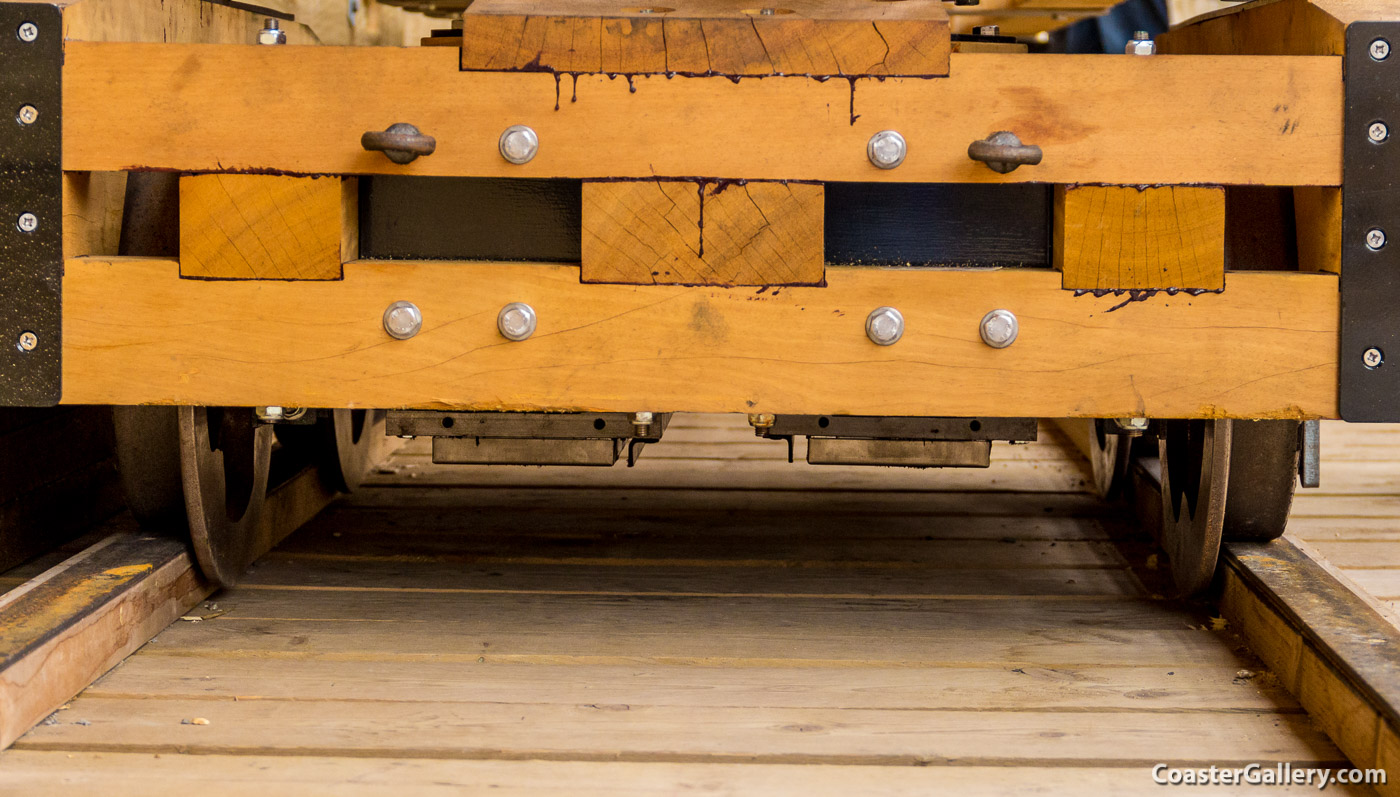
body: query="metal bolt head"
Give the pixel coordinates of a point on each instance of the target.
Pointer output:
(27, 222)
(27, 115)
(999, 328)
(519, 144)
(1372, 357)
(516, 321)
(884, 326)
(1141, 44)
(987, 30)
(1375, 238)
(886, 149)
(27, 341)
(272, 33)
(403, 320)
(762, 421)
(1133, 426)
(27, 31)
(1380, 49)
(1378, 132)
(268, 414)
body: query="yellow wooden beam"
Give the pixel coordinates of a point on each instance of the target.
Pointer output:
(1138, 237)
(135, 332)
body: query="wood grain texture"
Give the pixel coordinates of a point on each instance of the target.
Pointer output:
(200, 108)
(731, 37)
(794, 350)
(693, 233)
(256, 226)
(1136, 237)
(1318, 215)
(92, 212)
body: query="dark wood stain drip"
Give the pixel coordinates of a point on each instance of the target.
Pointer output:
(1142, 295)
(854, 115)
(700, 191)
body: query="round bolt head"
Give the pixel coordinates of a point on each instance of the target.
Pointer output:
(516, 321)
(27, 115)
(1375, 238)
(27, 31)
(999, 328)
(886, 149)
(884, 326)
(519, 144)
(1372, 357)
(27, 222)
(1380, 49)
(403, 320)
(642, 418)
(1378, 132)
(28, 341)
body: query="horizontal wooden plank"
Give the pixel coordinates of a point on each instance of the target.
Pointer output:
(793, 350)
(1235, 119)
(643, 733)
(43, 774)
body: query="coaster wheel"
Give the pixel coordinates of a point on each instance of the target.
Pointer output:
(1195, 459)
(225, 456)
(1263, 474)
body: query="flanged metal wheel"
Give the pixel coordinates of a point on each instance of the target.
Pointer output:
(1109, 458)
(225, 454)
(1195, 457)
(355, 437)
(1263, 473)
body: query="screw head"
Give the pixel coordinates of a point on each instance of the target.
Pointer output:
(1140, 44)
(1380, 49)
(27, 31)
(27, 115)
(1375, 238)
(27, 222)
(1134, 425)
(272, 33)
(1372, 357)
(884, 326)
(886, 149)
(999, 328)
(519, 144)
(1378, 132)
(27, 341)
(403, 320)
(516, 321)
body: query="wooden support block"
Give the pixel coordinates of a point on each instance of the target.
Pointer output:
(1318, 213)
(1127, 237)
(817, 38)
(92, 212)
(684, 232)
(255, 226)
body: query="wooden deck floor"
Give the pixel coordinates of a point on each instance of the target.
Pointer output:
(712, 621)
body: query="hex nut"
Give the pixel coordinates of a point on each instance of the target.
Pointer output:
(403, 320)
(516, 321)
(1141, 44)
(999, 328)
(519, 144)
(884, 326)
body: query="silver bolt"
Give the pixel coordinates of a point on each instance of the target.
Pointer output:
(28, 31)
(999, 328)
(268, 414)
(641, 423)
(1140, 44)
(1375, 238)
(1372, 357)
(403, 320)
(886, 149)
(1380, 49)
(519, 144)
(28, 341)
(884, 326)
(27, 222)
(1131, 426)
(1378, 132)
(987, 30)
(767, 12)
(27, 115)
(516, 321)
(272, 33)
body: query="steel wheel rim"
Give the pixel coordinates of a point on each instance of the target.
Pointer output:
(224, 460)
(1195, 458)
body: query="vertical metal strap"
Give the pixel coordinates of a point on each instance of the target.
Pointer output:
(31, 204)
(1369, 364)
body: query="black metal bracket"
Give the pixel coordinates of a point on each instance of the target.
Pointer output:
(31, 204)
(1369, 357)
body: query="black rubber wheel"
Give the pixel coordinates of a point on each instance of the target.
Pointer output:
(1195, 457)
(1263, 474)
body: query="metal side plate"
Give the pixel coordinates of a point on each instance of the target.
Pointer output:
(31, 205)
(1369, 368)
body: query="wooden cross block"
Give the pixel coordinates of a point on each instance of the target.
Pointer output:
(256, 226)
(684, 232)
(1110, 237)
(817, 38)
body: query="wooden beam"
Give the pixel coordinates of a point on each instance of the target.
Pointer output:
(210, 108)
(823, 38)
(701, 349)
(1114, 237)
(258, 226)
(645, 232)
